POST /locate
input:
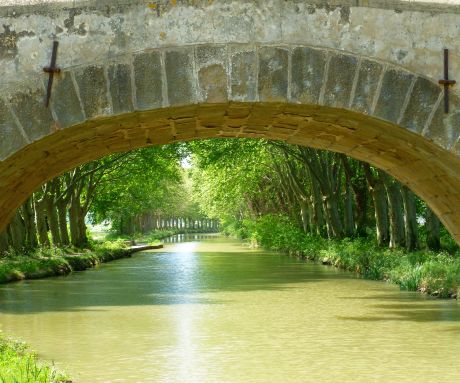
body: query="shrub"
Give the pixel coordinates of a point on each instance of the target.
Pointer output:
(18, 364)
(434, 273)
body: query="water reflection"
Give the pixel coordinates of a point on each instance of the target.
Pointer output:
(178, 238)
(207, 309)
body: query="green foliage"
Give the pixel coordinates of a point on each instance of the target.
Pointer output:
(149, 179)
(227, 174)
(438, 275)
(433, 273)
(19, 365)
(276, 232)
(26, 267)
(48, 262)
(156, 235)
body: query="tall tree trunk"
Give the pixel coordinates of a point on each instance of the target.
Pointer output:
(349, 222)
(42, 227)
(395, 212)
(361, 198)
(53, 221)
(127, 225)
(29, 222)
(62, 218)
(17, 232)
(410, 219)
(432, 226)
(360, 192)
(333, 217)
(317, 207)
(73, 222)
(4, 244)
(379, 199)
(305, 216)
(82, 229)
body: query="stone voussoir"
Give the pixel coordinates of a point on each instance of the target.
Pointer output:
(309, 95)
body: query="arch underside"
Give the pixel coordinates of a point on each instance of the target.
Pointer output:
(427, 169)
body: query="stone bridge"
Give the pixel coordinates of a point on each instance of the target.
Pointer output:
(352, 76)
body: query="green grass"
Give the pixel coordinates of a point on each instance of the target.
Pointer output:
(433, 273)
(48, 262)
(19, 365)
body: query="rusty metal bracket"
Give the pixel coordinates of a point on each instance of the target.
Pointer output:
(445, 81)
(51, 70)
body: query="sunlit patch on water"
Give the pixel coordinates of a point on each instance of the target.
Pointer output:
(208, 309)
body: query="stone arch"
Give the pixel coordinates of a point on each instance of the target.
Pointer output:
(371, 110)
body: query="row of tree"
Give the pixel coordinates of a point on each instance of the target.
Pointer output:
(326, 193)
(124, 189)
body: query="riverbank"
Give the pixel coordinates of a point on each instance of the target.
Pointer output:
(53, 262)
(433, 273)
(20, 365)
(17, 363)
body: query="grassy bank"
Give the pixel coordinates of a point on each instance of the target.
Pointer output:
(19, 365)
(49, 262)
(433, 273)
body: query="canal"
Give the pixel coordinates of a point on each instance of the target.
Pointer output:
(208, 309)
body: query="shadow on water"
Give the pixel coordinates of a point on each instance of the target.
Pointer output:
(408, 306)
(163, 278)
(173, 277)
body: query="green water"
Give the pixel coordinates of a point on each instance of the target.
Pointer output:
(211, 310)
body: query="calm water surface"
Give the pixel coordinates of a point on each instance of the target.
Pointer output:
(210, 310)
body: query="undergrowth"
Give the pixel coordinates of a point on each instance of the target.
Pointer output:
(433, 273)
(53, 261)
(19, 365)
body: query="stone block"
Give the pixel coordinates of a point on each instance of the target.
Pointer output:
(30, 110)
(395, 85)
(307, 74)
(457, 147)
(92, 86)
(212, 73)
(180, 77)
(11, 138)
(421, 103)
(368, 80)
(273, 74)
(120, 88)
(211, 54)
(213, 83)
(243, 77)
(445, 128)
(148, 80)
(340, 78)
(210, 116)
(65, 102)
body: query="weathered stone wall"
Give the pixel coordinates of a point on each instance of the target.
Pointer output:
(361, 80)
(236, 72)
(399, 32)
